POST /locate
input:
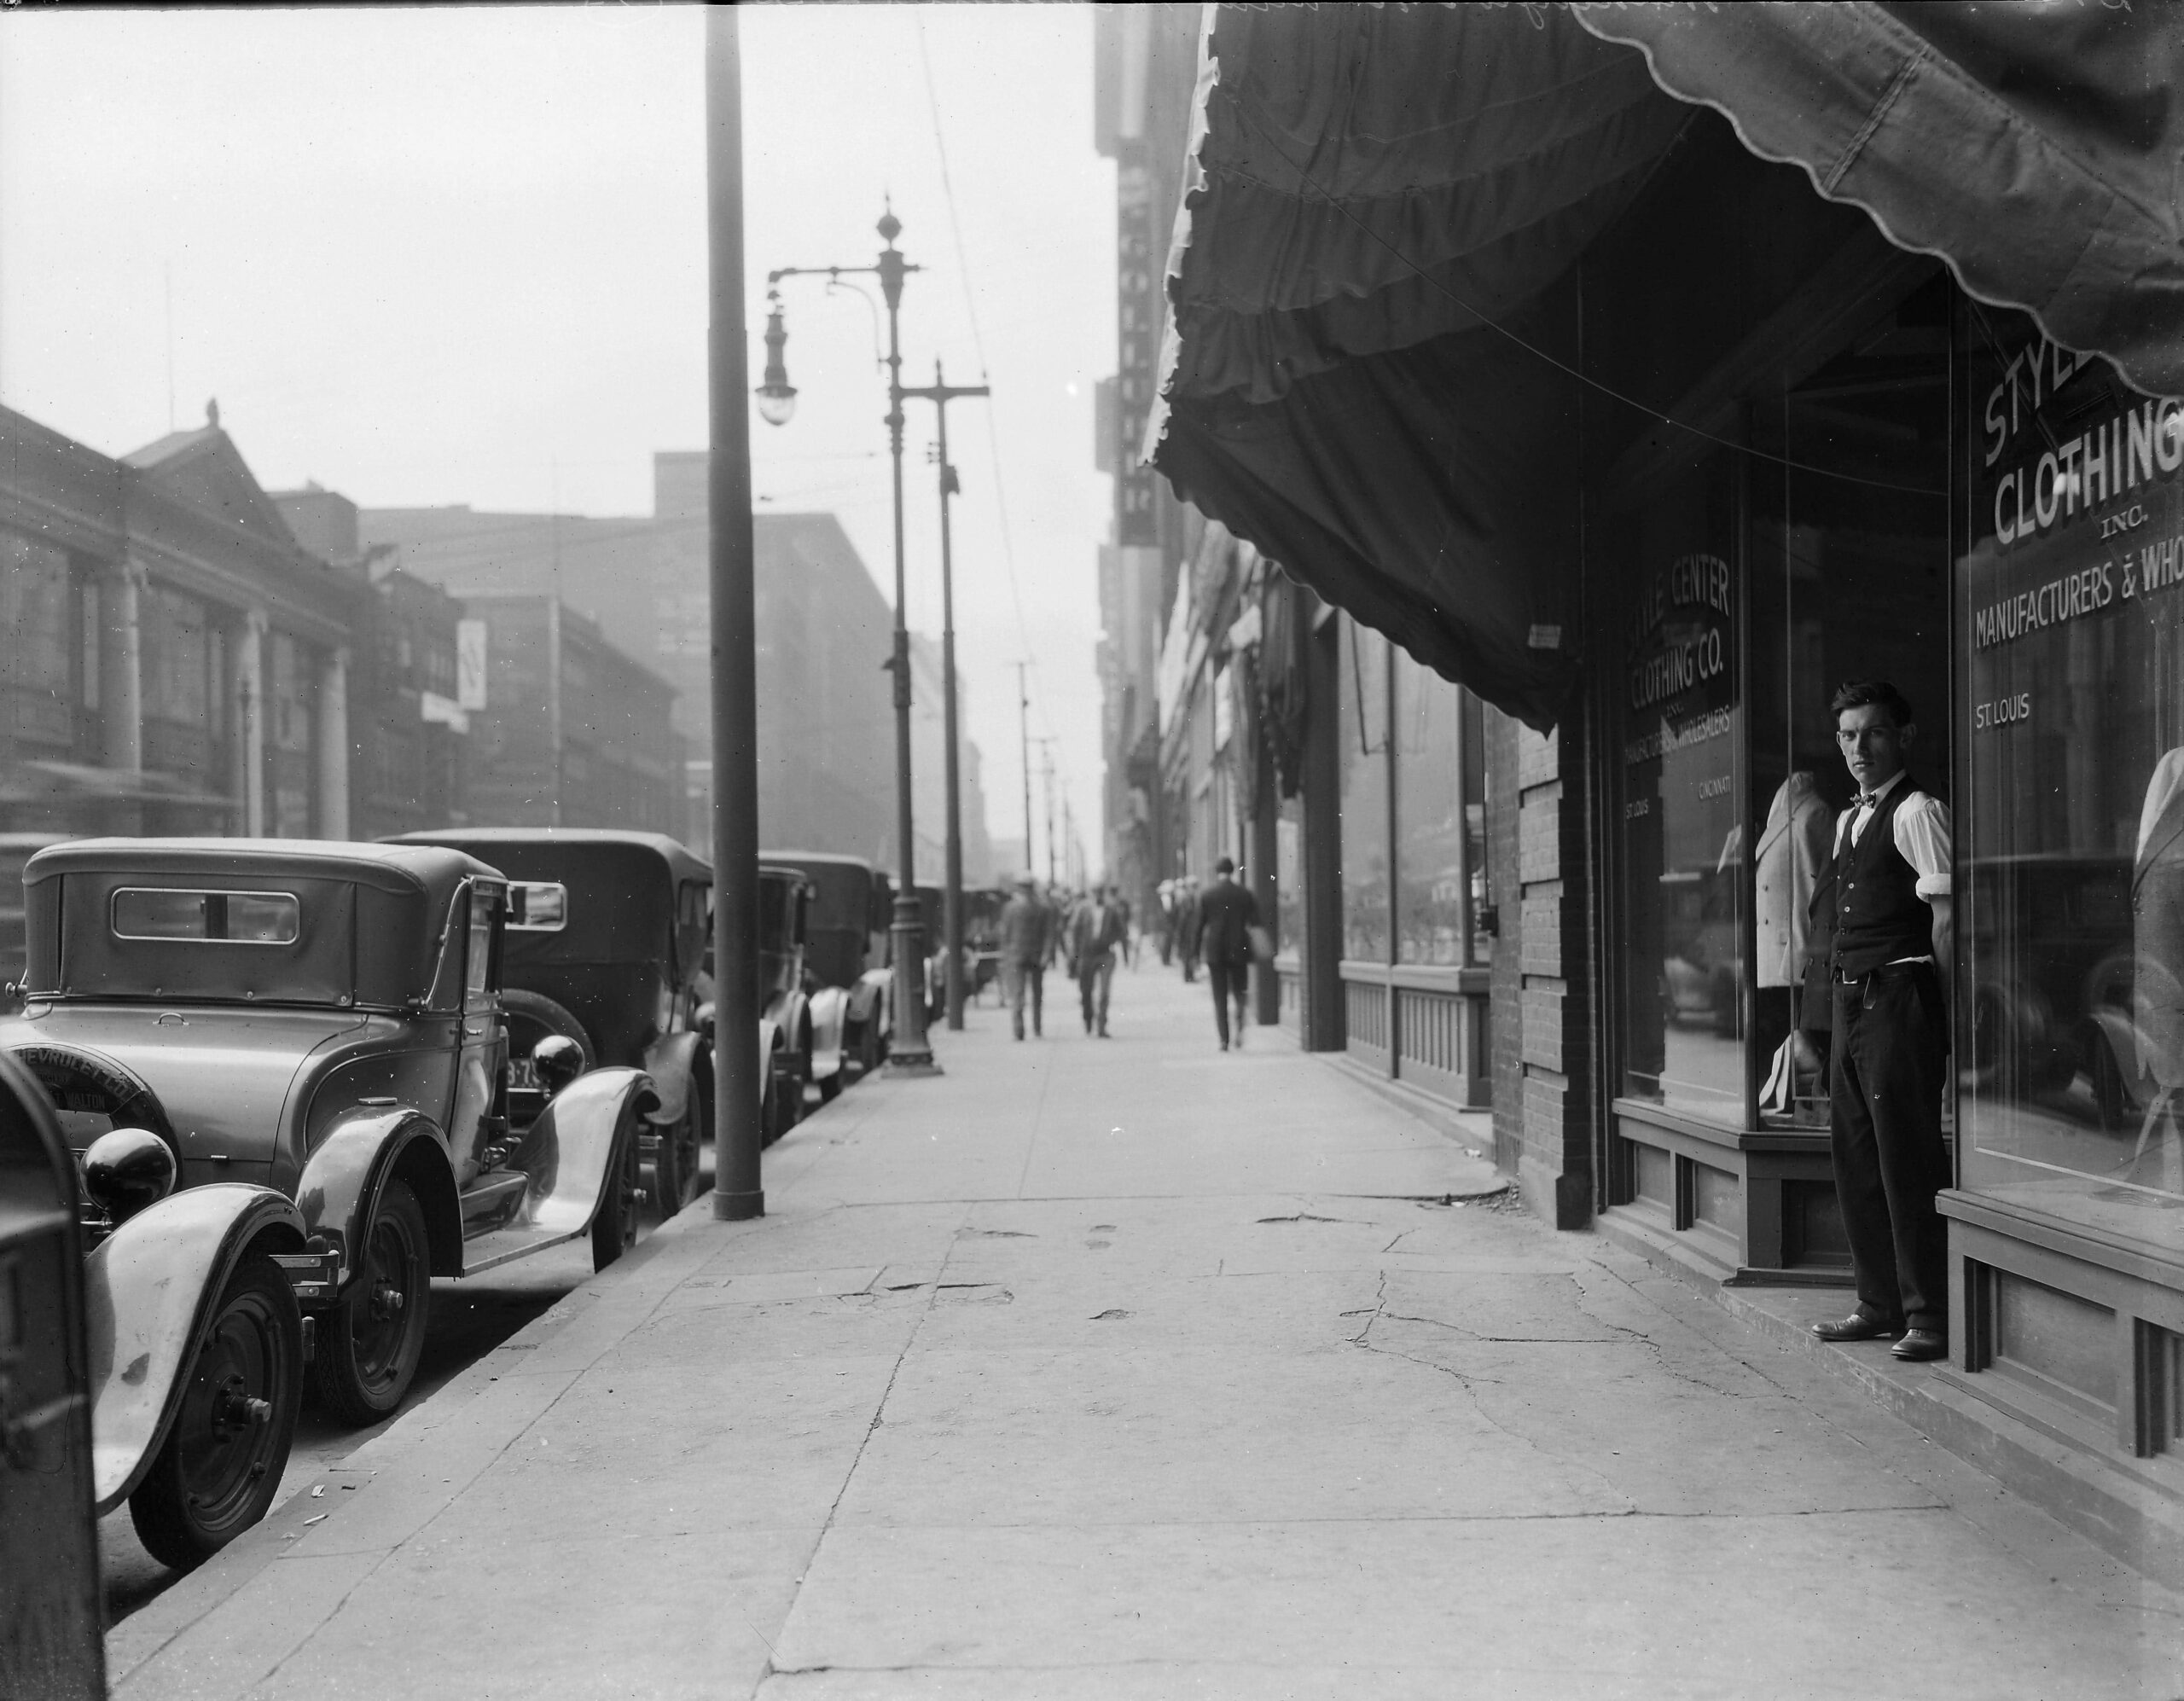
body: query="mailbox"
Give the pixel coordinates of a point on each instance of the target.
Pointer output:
(51, 1643)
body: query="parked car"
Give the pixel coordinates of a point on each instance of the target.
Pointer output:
(608, 934)
(15, 850)
(324, 1021)
(845, 963)
(191, 1349)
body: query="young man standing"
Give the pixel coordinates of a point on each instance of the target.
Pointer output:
(1227, 913)
(1893, 946)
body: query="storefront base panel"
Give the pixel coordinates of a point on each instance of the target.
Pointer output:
(1426, 1027)
(1729, 1204)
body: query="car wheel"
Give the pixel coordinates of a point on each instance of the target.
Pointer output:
(675, 1166)
(614, 1226)
(533, 1017)
(220, 1466)
(367, 1351)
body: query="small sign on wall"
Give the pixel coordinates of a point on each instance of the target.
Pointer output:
(470, 664)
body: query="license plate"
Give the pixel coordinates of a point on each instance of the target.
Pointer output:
(523, 1075)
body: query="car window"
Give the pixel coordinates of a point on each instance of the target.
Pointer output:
(478, 970)
(537, 906)
(233, 918)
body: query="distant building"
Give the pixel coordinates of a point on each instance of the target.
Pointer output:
(826, 726)
(171, 659)
(407, 727)
(573, 732)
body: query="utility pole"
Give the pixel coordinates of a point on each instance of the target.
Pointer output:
(1024, 718)
(952, 891)
(1047, 778)
(737, 1193)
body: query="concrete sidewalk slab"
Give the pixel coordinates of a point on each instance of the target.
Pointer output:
(1132, 1368)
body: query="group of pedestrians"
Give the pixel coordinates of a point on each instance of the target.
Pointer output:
(1218, 925)
(1084, 933)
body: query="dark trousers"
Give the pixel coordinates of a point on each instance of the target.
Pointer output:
(1885, 1129)
(1230, 980)
(1020, 978)
(1094, 976)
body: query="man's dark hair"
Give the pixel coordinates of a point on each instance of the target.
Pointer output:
(1224, 867)
(1858, 693)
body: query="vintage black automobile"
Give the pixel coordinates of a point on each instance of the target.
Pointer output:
(845, 963)
(608, 934)
(312, 1033)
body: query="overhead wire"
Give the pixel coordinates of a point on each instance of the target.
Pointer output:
(977, 346)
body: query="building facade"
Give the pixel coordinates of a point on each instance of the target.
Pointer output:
(1655, 444)
(172, 660)
(825, 726)
(1205, 655)
(408, 728)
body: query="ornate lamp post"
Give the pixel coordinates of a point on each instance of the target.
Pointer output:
(910, 1053)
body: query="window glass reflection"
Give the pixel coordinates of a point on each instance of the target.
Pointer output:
(2071, 654)
(1363, 750)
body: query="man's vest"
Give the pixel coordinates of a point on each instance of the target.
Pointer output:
(1879, 916)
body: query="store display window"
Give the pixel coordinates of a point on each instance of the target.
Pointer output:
(1847, 552)
(2070, 658)
(1677, 757)
(1440, 818)
(1363, 756)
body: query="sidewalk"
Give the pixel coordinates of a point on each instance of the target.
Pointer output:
(1133, 1369)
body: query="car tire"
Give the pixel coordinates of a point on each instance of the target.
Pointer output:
(615, 1224)
(367, 1352)
(675, 1165)
(532, 1017)
(220, 1465)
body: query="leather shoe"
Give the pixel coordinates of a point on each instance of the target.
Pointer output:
(1857, 1326)
(1917, 1346)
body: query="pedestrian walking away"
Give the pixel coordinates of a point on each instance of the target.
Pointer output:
(1227, 913)
(1026, 942)
(1893, 943)
(1096, 927)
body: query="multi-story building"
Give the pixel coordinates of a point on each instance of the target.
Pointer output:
(572, 733)
(171, 659)
(826, 728)
(407, 725)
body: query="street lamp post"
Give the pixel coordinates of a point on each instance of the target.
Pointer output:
(910, 1053)
(940, 394)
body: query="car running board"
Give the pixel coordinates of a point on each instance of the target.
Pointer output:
(506, 1245)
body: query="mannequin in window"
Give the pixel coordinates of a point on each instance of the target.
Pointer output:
(2157, 940)
(1793, 856)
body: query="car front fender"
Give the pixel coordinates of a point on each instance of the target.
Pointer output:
(150, 1289)
(790, 1013)
(672, 1062)
(583, 1128)
(829, 1007)
(868, 997)
(352, 1162)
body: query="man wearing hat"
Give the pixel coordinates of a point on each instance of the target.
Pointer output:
(1026, 942)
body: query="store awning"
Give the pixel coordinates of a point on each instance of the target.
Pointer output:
(1362, 374)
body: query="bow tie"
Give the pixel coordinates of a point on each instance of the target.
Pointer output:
(1868, 799)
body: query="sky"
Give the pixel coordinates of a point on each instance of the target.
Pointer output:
(458, 256)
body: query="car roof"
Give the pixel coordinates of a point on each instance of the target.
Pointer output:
(806, 858)
(434, 870)
(682, 862)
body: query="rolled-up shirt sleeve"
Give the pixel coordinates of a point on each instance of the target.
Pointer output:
(1922, 836)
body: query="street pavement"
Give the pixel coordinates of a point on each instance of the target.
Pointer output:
(1130, 1368)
